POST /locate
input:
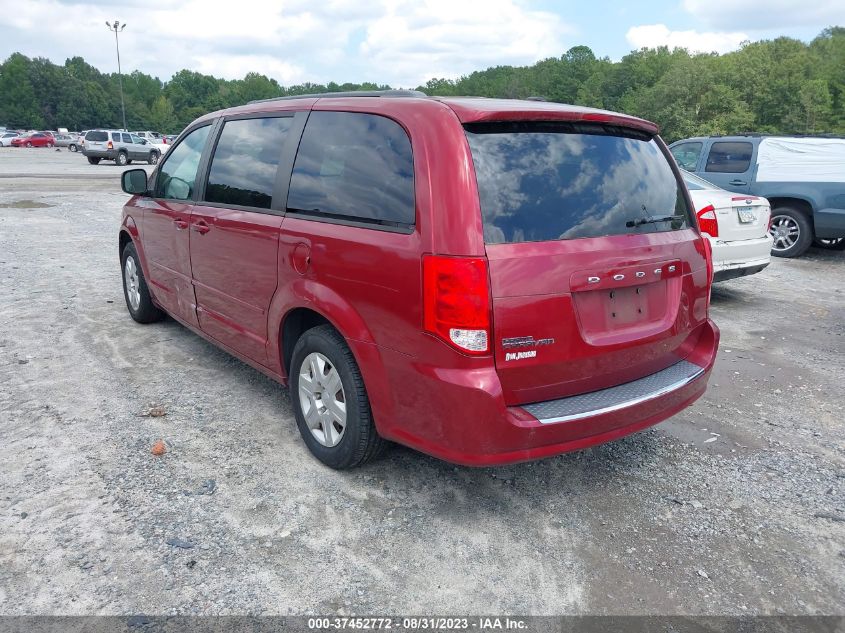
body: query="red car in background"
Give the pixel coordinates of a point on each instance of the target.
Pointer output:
(37, 139)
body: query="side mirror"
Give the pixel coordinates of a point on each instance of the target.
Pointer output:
(134, 181)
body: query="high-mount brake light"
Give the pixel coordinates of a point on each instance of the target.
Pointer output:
(456, 301)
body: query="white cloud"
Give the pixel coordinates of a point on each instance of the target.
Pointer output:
(415, 40)
(653, 35)
(402, 42)
(766, 14)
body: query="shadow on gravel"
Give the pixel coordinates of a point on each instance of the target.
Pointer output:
(726, 293)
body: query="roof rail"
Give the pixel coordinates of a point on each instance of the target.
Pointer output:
(349, 93)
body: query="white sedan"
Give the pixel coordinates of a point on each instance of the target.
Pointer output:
(6, 138)
(736, 225)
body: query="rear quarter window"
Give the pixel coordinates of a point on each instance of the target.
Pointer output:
(354, 166)
(97, 136)
(558, 181)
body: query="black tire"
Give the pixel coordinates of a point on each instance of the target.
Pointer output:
(72, 147)
(121, 159)
(830, 244)
(49, 145)
(146, 311)
(359, 442)
(28, 144)
(128, 161)
(784, 218)
(153, 159)
(93, 160)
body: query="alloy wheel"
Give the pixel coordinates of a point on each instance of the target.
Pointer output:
(322, 399)
(130, 277)
(785, 232)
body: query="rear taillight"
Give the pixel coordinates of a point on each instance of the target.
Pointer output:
(707, 222)
(456, 301)
(769, 225)
(110, 145)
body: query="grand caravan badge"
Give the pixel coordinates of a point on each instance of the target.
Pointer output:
(523, 341)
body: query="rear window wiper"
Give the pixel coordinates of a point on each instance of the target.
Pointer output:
(654, 220)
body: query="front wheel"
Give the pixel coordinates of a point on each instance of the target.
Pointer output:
(135, 291)
(72, 148)
(93, 160)
(28, 144)
(791, 232)
(330, 401)
(49, 145)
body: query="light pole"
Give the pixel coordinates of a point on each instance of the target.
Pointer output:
(117, 27)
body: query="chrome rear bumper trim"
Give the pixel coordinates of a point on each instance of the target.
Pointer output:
(588, 405)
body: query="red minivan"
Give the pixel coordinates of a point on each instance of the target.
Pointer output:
(487, 281)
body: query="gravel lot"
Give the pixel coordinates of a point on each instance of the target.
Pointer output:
(735, 506)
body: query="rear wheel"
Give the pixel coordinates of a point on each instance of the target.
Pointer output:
(135, 291)
(153, 159)
(330, 402)
(93, 160)
(791, 231)
(72, 147)
(121, 159)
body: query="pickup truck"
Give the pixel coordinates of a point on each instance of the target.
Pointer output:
(803, 178)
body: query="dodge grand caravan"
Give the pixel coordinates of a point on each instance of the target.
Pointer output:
(486, 281)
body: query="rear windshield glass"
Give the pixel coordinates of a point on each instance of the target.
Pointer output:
(557, 181)
(96, 136)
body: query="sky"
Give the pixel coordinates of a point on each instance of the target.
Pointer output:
(400, 42)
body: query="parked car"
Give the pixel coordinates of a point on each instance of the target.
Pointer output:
(737, 227)
(65, 140)
(7, 137)
(487, 281)
(802, 177)
(35, 139)
(155, 139)
(121, 147)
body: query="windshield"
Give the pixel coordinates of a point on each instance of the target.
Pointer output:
(540, 181)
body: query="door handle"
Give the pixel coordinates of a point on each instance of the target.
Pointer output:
(180, 224)
(738, 182)
(201, 227)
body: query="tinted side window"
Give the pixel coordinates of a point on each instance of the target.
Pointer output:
(729, 157)
(96, 136)
(126, 138)
(243, 170)
(687, 155)
(178, 174)
(356, 166)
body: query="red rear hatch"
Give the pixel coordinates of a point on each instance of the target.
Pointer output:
(597, 274)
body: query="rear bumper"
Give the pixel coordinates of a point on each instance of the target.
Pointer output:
(740, 257)
(108, 154)
(461, 417)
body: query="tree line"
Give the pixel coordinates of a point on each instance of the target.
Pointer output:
(781, 86)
